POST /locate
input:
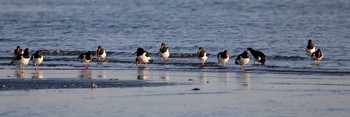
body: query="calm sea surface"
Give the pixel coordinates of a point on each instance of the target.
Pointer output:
(64, 28)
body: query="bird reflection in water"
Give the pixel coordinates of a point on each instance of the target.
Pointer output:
(224, 80)
(86, 74)
(165, 76)
(101, 74)
(203, 77)
(142, 73)
(101, 62)
(38, 74)
(244, 79)
(19, 73)
(224, 77)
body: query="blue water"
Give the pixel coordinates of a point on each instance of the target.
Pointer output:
(280, 29)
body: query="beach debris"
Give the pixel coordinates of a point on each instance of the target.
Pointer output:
(190, 80)
(93, 85)
(208, 82)
(2, 86)
(196, 89)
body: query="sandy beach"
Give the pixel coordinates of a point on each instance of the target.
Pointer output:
(171, 93)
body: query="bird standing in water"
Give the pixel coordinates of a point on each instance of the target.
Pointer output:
(18, 51)
(22, 59)
(37, 59)
(310, 48)
(101, 54)
(242, 60)
(142, 56)
(317, 56)
(85, 58)
(163, 52)
(258, 56)
(223, 58)
(202, 55)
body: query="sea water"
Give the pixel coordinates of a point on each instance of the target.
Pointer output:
(63, 29)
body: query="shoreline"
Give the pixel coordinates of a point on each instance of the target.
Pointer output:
(11, 79)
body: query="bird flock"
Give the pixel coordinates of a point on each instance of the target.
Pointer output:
(143, 57)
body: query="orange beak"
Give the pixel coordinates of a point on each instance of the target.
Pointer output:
(134, 53)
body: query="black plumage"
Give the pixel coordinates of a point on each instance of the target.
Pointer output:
(100, 50)
(200, 52)
(258, 55)
(163, 48)
(18, 51)
(244, 55)
(86, 56)
(222, 54)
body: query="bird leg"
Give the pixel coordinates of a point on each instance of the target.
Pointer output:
(84, 65)
(22, 67)
(138, 63)
(243, 67)
(317, 62)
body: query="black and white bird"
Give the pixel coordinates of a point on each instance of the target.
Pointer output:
(85, 58)
(37, 59)
(101, 54)
(18, 51)
(163, 52)
(242, 60)
(258, 56)
(310, 48)
(202, 55)
(143, 57)
(222, 58)
(317, 56)
(22, 59)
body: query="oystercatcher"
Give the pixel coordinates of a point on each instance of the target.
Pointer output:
(142, 56)
(22, 59)
(223, 58)
(37, 59)
(101, 54)
(85, 58)
(18, 51)
(317, 56)
(310, 48)
(163, 52)
(242, 60)
(258, 56)
(202, 55)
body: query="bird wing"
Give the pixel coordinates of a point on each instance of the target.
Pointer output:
(18, 57)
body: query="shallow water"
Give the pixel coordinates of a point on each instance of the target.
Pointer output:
(64, 29)
(219, 94)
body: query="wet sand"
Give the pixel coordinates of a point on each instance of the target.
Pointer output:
(148, 92)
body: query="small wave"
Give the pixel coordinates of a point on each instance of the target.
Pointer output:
(15, 84)
(303, 71)
(286, 58)
(172, 55)
(183, 55)
(6, 58)
(75, 53)
(67, 53)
